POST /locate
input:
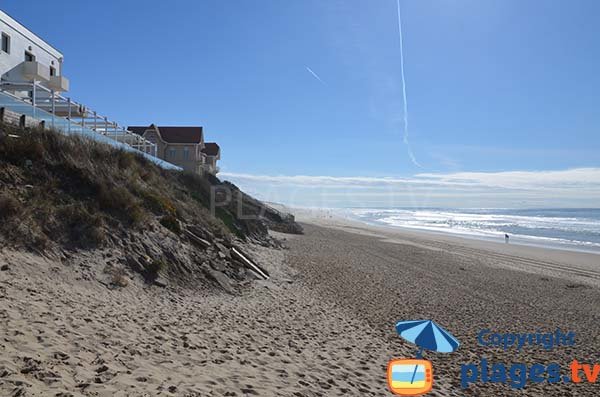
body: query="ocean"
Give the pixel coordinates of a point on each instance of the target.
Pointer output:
(576, 229)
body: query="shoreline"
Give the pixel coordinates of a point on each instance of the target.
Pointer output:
(322, 325)
(520, 240)
(586, 260)
(464, 285)
(325, 217)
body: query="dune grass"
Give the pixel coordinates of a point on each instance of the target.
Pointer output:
(72, 191)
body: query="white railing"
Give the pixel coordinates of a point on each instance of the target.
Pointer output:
(78, 115)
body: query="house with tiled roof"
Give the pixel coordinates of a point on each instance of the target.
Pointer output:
(212, 151)
(182, 146)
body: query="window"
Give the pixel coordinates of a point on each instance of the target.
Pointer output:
(52, 71)
(186, 153)
(29, 57)
(6, 43)
(150, 137)
(172, 153)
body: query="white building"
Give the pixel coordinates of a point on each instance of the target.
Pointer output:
(24, 57)
(31, 83)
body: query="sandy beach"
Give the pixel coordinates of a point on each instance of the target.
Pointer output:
(299, 199)
(466, 285)
(323, 325)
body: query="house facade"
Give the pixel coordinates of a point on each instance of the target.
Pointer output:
(182, 146)
(212, 153)
(25, 57)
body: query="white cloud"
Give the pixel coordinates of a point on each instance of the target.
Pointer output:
(568, 188)
(571, 178)
(578, 177)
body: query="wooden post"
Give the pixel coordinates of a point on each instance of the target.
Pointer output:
(69, 114)
(33, 94)
(53, 109)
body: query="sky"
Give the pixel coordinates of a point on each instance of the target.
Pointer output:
(305, 96)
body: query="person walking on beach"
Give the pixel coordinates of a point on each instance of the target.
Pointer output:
(506, 237)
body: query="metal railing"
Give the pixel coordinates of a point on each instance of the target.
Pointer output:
(65, 115)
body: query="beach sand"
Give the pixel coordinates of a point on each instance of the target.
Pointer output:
(385, 275)
(323, 325)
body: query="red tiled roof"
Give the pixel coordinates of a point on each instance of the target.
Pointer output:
(173, 134)
(211, 149)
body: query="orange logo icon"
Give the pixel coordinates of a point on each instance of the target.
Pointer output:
(410, 377)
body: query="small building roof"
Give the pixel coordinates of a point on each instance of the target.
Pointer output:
(138, 129)
(211, 149)
(171, 134)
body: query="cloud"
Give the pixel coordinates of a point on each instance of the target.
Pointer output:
(530, 180)
(563, 188)
(578, 177)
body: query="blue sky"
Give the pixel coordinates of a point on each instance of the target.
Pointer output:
(494, 87)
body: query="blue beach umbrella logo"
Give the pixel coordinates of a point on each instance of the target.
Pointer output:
(413, 377)
(426, 334)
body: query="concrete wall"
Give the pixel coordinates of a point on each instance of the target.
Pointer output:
(20, 41)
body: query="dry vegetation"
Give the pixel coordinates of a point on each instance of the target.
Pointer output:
(76, 193)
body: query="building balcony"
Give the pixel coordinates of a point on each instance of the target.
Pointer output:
(58, 83)
(211, 169)
(33, 70)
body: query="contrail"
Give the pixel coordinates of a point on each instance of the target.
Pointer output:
(316, 76)
(405, 102)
